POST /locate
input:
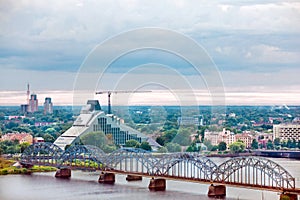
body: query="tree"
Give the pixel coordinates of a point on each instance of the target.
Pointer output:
(237, 147)
(11, 124)
(183, 137)
(94, 138)
(214, 148)
(169, 135)
(24, 146)
(162, 150)
(146, 146)
(160, 140)
(208, 144)
(277, 142)
(222, 146)
(254, 144)
(289, 143)
(294, 143)
(193, 148)
(173, 147)
(270, 145)
(50, 131)
(109, 148)
(48, 138)
(132, 143)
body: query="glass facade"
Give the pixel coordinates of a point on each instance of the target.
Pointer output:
(119, 136)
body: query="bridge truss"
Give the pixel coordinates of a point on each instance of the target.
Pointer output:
(254, 172)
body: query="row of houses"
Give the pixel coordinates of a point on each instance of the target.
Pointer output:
(215, 137)
(21, 138)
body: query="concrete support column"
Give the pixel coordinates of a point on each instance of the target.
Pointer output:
(287, 196)
(216, 191)
(157, 184)
(107, 178)
(63, 173)
(134, 178)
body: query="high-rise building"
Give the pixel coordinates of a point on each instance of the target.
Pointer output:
(48, 106)
(33, 103)
(24, 108)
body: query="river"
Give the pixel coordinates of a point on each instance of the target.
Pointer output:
(84, 185)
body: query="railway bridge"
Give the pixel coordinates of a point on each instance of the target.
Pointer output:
(249, 172)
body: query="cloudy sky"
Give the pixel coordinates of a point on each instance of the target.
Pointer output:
(254, 45)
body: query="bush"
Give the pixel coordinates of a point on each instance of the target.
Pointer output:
(4, 172)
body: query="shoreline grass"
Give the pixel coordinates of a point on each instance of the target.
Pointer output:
(6, 167)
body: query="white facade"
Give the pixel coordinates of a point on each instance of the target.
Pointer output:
(286, 131)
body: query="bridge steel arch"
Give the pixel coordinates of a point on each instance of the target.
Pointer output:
(43, 153)
(186, 165)
(255, 172)
(132, 160)
(83, 157)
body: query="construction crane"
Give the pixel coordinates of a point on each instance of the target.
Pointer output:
(116, 92)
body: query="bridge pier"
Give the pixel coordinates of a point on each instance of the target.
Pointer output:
(157, 184)
(216, 191)
(63, 173)
(134, 178)
(287, 196)
(27, 166)
(106, 178)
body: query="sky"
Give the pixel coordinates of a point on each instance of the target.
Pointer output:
(253, 46)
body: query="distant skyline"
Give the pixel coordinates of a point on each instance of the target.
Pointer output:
(254, 44)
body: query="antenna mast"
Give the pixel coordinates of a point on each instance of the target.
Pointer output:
(28, 93)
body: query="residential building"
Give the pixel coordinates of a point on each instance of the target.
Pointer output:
(222, 136)
(48, 106)
(38, 139)
(24, 108)
(21, 137)
(33, 104)
(213, 137)
(245, 138)
(228, 137)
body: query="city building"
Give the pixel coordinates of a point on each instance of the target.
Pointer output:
(245, 138)
(195, 120)
(213, 137)
(286, 131)
(216, 137)
(38, 139)
(92, 119)
(228, 137)
(33, 103)
(21, 137)
(24, 108)
(48, 106)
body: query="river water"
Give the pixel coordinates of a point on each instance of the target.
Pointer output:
(84, 185)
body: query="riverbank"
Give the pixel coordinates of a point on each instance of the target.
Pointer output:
(6, 167)
(231, 155)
